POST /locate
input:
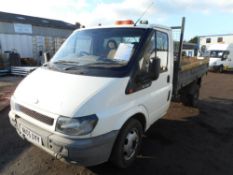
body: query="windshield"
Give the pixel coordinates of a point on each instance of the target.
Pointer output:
(99, 48)
(216, 53)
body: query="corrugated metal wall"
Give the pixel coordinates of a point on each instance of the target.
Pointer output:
(45, 44)
(21, 43)
(8, 28)
(29, 45)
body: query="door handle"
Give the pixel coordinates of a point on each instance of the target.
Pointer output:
(168, 79)
(168, 96)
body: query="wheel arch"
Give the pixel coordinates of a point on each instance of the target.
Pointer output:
(141, 118)
(140, 113)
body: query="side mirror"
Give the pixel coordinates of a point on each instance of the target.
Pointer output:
(152, 74)
(224, 57)
(154, 68)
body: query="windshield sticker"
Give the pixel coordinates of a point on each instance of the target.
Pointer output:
(124, 52)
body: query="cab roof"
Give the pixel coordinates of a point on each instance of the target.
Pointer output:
(139, 26)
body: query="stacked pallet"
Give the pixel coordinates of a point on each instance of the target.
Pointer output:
(28, 62)
(4, 72)
(20, 70)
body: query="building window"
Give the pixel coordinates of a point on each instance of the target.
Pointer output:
(208, 40)
(220, 39)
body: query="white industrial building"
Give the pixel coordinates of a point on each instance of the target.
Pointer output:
(31, 36)
(206, 41)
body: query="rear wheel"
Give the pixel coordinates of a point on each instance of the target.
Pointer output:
(193, 97)
(220, 69)
(190, 95)
(128, 144)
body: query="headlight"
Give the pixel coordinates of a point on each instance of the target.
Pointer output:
(76, 126)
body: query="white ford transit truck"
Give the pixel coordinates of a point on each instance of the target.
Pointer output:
(220, 57)
(102, 90)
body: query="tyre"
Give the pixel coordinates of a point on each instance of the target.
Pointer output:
(190, 96)
(193, 97)
(220, 69)
(128, 144)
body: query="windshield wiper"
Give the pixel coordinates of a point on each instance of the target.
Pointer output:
(45, 64)
(72, 67)
(65, 62)
(118, 60)
(105, 64)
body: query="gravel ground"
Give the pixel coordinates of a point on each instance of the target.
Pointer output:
(187, 141)
(7, 86)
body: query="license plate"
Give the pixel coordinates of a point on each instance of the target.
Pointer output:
(31, 136)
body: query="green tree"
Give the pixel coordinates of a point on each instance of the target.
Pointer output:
(78, 25)
(194, 40)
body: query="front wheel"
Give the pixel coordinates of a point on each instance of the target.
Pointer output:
(128, 144)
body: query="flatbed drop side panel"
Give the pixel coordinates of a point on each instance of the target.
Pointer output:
(186, 69)
(191, 72)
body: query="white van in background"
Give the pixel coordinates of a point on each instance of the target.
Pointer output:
(220, 57)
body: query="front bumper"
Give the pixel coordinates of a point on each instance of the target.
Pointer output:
(88, 152)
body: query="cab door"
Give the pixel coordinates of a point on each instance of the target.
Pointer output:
(156, 95)
(230, 60)
(226, 60)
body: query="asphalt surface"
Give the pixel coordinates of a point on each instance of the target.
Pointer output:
(187, 141)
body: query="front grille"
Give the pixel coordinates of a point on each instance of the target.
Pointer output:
(35, 115)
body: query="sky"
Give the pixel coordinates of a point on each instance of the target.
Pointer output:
(203, 17)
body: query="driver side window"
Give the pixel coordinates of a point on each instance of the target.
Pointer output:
(149, 53)
(225, 55)
(156, 47)
(162, 50)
